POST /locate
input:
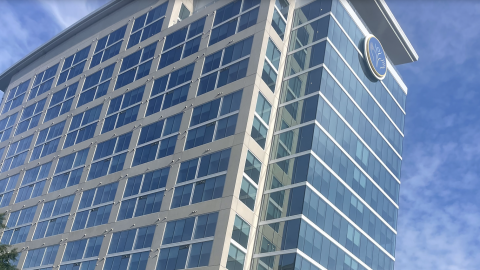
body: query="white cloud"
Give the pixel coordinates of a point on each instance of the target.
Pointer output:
(65, 13)
(27, 25)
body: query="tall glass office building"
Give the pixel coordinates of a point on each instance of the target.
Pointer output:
(206, 134)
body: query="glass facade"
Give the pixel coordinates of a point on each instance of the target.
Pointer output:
(244, 135)
(332, 185)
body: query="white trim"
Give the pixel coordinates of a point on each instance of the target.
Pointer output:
(333, 241)
(312, 20)
(306, 183)
(348, 220)
(250, 180)
(303, 72)
(275, 253)
(238, 246)
(310, 260)
(261, 120)
(285, 187)
(360, 109)
(277, 220)
(307, 46)
(367, 176)
(279, 12)
(271, 65)
(363, 57)
(366, 89)
(296, 126)
(290, 156)
(365, 32)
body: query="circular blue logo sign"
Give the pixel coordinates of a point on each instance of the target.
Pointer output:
(375, 56)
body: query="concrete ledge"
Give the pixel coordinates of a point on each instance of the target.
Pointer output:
(380, 20)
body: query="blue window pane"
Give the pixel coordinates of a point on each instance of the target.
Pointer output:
(212, 62)
(237, 50)
(227, 12)
(205, 112)
(223, 31)
(207, 84)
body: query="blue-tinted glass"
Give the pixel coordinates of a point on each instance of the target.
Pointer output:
(227, 12)
(131, 60)
(205, 112)
(157, 12)
(175, 38)
(152, 29)
(248, 19)
(223, 31)
(212, 62)
(170, 57)
(237, 50)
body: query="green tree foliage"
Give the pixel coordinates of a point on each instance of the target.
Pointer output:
(8, 256)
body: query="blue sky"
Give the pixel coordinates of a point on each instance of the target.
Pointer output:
(439, 208)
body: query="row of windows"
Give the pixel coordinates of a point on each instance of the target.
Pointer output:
(306, 168)
(6, 126)
(143, 194)
(144, 203)
(280, 16)
(43, 82)
(354, 32)
(270, 67)
(218, 69)
(229, 20)
(17, 153)
(376, 89)
(30, 117)
(53, 218)
(123, 109)
(157, 140)
(73, 65)
(187, 255)
(33, 182)
(132, 243)
(333, 156)
(109, 157)
(170, 90)
(94, 87)
(108, 46)
(15, 96)
(292, 88)
(261, 120)
(182, 43)
(221, 117)
(145, 26)
(315, 108)
(290, 115)
(238, 245)
(136, 65)
(47, 141)
(6, 189)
